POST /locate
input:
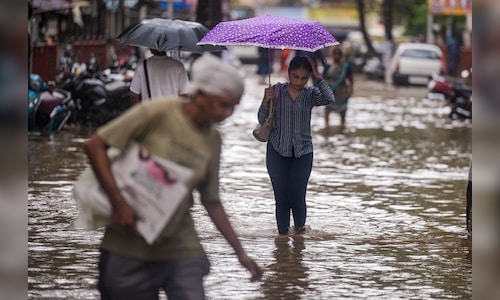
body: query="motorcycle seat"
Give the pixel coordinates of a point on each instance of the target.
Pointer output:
(116, 85)
(48, 101)
(118, 90)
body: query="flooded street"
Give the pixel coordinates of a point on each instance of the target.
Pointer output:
(386, 208)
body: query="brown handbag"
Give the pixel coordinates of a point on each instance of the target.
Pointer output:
(263, 131)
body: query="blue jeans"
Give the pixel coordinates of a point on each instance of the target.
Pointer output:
(289, 177)
(126, 278)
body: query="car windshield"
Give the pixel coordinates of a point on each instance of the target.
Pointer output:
(420, 53)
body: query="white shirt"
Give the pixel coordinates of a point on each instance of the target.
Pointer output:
(167, 77)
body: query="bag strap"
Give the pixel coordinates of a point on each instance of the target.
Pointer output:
(147, 77)
(271, 108)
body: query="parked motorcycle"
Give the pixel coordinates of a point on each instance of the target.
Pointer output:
(49, 108)
(97, 98)
(456, 91)
(122, 67)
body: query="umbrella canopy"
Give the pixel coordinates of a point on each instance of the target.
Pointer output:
(271, 32)
(167, 34)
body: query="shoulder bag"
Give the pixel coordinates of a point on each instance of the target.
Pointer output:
(147, 77)
(340, 87)
(263, 131)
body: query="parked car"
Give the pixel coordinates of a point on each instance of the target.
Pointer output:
(414, 63)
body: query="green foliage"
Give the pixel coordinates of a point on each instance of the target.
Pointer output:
(412, 14)
(416, 25)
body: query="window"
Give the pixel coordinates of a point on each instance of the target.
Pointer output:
(420, 53)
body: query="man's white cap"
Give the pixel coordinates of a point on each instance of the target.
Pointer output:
(212, 76)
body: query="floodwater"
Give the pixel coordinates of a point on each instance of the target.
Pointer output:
(386, 208)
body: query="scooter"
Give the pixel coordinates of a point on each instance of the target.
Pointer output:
(455, 91)
(49, 108)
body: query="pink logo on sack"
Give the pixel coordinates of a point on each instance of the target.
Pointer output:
(156, 170)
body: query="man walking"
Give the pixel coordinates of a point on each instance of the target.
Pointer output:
(157, 77)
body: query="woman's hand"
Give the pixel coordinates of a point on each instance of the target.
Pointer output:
(268, 95)
(315, 72)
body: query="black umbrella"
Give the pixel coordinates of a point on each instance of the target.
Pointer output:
(167, 34)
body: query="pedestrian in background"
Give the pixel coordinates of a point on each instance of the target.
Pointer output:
(183, 130)
(165, 77)
(285, 58)
(340, 79)
(263, 64)
(453, 53)
(289, 155)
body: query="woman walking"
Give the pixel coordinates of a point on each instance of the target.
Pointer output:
(340, 79)
(289, 154)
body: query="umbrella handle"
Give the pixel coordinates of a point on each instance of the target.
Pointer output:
(270, 68)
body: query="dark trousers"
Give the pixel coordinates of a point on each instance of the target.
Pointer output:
(126, 278)
(289, 177)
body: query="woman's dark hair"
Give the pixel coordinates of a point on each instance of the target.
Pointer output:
(337, 51)
(158, 52)
(300, 62)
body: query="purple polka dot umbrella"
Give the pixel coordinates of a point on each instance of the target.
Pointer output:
(270, 32)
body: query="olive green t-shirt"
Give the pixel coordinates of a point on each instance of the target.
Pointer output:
(163, 129)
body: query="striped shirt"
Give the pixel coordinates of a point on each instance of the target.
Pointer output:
(292, 135)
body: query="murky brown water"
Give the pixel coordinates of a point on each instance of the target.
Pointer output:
(386, 209)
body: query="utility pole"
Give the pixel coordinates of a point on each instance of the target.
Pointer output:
(170, 9)
(430, 33)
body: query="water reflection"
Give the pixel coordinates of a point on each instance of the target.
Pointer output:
(287, 276)
(386, 207)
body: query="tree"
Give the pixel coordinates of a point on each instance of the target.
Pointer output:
(209, 13)
(362, 27)
(387, 10)
(412, 14)
(409, 13)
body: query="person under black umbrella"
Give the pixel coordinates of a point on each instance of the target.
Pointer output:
(158, 76)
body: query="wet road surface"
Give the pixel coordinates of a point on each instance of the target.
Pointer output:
(386, 208)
